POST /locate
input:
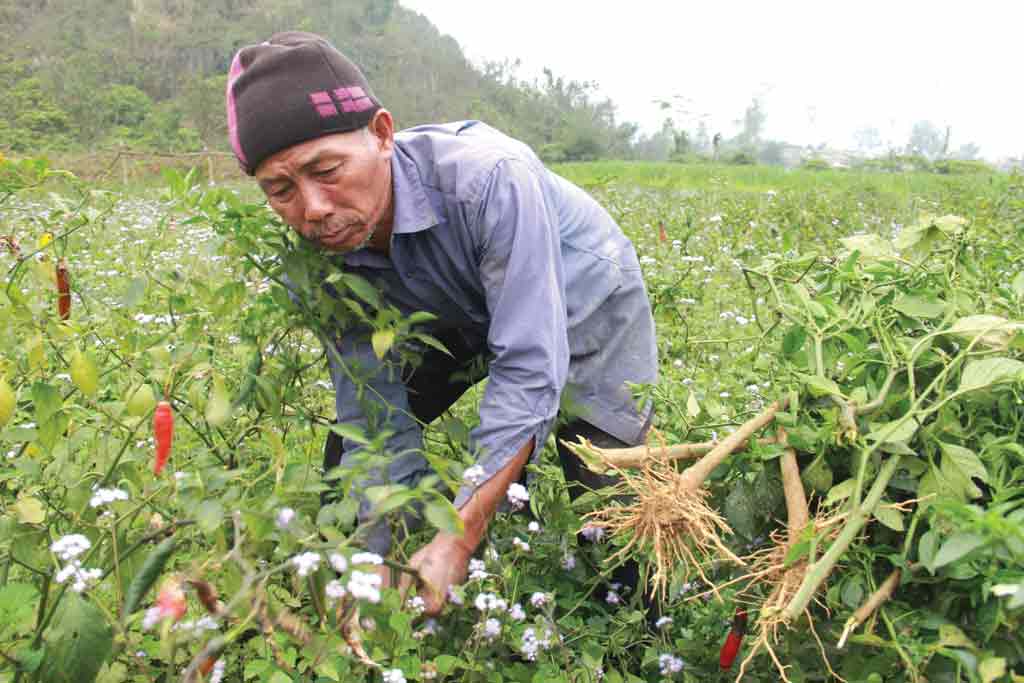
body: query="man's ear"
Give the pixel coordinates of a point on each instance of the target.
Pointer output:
(382, 125)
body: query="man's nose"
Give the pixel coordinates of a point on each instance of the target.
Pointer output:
(315, 203)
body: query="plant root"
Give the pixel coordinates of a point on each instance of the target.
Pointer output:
(769, 566)
(676, 525)
(603, 460)
(667, 512)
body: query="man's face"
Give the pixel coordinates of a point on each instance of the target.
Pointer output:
(333, 190)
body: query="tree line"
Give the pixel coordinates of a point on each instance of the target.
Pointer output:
(153, 76)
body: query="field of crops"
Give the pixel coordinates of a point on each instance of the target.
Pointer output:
(873, 322)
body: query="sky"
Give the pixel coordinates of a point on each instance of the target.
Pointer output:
(822, 69)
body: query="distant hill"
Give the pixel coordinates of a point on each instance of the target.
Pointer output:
(85, 74)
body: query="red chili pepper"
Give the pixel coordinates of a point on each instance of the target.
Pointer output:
(662, 235)
(63, 290)
(731, 647)
(163, 432)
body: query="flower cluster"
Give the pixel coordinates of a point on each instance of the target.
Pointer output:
(532, 644)
(474, 475)
(284, 518)
(306, 563)
(476, 570)
(517, 496)
(670, 664)
(69, 548)
(365, 586)
(101, 497)
(489, 602)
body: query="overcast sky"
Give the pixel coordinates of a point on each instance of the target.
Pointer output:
(823, 69)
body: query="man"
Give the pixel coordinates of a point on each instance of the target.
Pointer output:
(521, 268)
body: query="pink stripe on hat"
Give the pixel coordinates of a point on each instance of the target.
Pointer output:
(233, 74)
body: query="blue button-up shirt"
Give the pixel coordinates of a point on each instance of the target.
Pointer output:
(526, 266)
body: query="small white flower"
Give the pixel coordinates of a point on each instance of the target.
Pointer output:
(71, 546)
(476, 570)
(474, 475)
(339, 562)
(533, 528)
(489, 602)
(521, 544)
(669, 664)
(613, 598)
(569, 562)
(663, 622)
(539, 599)
(285, 517)
(365, 586)
(492, 629)
(594, 534)
(454, 596)
(517, 495)
(367, 558)
(103, 496)
(516, 613)
(416, 604)
(306, 563)
(335, 590)
(393, 676)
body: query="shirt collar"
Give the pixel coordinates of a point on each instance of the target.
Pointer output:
(413, 212)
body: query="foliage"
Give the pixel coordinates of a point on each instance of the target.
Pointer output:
(73, 85)
(812, 285)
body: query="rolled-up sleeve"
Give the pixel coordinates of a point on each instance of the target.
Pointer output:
(520, 268)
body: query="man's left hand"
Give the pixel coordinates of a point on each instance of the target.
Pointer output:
(442, 563)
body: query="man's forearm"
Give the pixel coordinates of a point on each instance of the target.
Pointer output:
(476, 514)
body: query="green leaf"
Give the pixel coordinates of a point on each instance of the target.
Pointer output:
(447, 663)
(740, 509)
(443, 516)
(1018, 285)
(991, 331)
(351, 432)
(957, 546)
(841, 491)
(30, 510)
(692, 406)
(889, 516)
(927, 547)
(209, 515)
(218, 408)
(895, 432)
(985, 372)
(77, 643)
(17, 606)
(363, 289)
(47, 401)
(793, 341)
(382, 341)
(965, 460)
(821, 386)
(991, 668)
(953, 636)
(919, 307)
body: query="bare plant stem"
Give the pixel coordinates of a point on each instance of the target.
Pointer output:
(820, 570)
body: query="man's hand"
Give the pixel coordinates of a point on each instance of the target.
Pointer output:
(442, 563)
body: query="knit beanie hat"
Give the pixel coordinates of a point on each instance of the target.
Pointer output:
(292, 88)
